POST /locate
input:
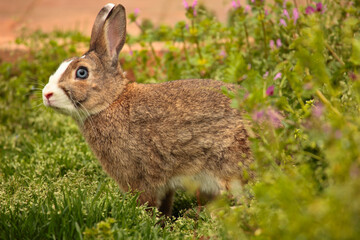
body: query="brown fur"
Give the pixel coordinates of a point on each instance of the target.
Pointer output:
(147, 135)
(157, 131)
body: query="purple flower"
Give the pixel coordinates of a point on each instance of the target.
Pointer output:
(352, 76)
(136, 12)
(274, 117)
(270, 90)
(319, 7)
(318, 110)
(266, 12)
(338, 134)
(186, 5)
(278, 42)
(234, 4)
(284, 3)
(258, 115)
(286, 13)
(131, 52)
(270, 115)
(309, 10)
(277, 76)
(222, 53)
(266, 75)
(308, 86)
(282, 22)
(246, 95)
(193, 6)
(295, 15)
(272, 44)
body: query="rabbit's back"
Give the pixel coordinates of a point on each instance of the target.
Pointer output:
(155, 132)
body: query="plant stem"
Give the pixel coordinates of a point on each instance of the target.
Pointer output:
(324, 100)
(198, 48)
(157, 59)
(334, 54)
(246, 35)
(184, 47)
(264, 31)
(197, 42)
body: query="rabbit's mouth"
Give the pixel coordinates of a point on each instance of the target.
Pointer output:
(53, 95)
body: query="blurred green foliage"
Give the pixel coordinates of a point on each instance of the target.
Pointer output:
(299, 71)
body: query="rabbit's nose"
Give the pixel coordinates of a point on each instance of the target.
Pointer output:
(48, 95)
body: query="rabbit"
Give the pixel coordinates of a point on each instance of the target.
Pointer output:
(152, 138)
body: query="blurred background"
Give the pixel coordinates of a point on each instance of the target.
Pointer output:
(49, 15)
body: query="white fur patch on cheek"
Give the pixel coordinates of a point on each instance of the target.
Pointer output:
(53, 96)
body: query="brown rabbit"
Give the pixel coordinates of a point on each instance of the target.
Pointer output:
(149, 137)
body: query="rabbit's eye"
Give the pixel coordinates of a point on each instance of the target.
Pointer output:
(82, 73)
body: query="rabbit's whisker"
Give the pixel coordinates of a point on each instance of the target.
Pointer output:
(88, 116)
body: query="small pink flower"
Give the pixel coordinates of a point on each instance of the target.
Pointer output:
(286, 13)
(234, 4)
(352, 76)
(270, 90)
(258, 115)
(284, 3)
(277, 76)
(282, 22)
(270, 115)
(247, 8)
(136, 12)
(266, 12)
(295, 15)
(186, 5)
(338, 134)
(222, 53)
(275, 117)
(318, 110)
(266, 75)
(272, 44)
(194, 3)
(278, 42)
(246, 96)
(308, 86)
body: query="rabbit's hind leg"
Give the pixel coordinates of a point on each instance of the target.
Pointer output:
(204, 197)
(167, 202)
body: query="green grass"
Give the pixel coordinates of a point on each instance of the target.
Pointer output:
(305, 143)
(53, 188)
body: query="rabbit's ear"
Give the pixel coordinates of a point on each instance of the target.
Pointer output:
(99, 24)
(109, 32)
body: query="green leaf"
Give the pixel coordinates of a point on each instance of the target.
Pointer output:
(355, 55)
